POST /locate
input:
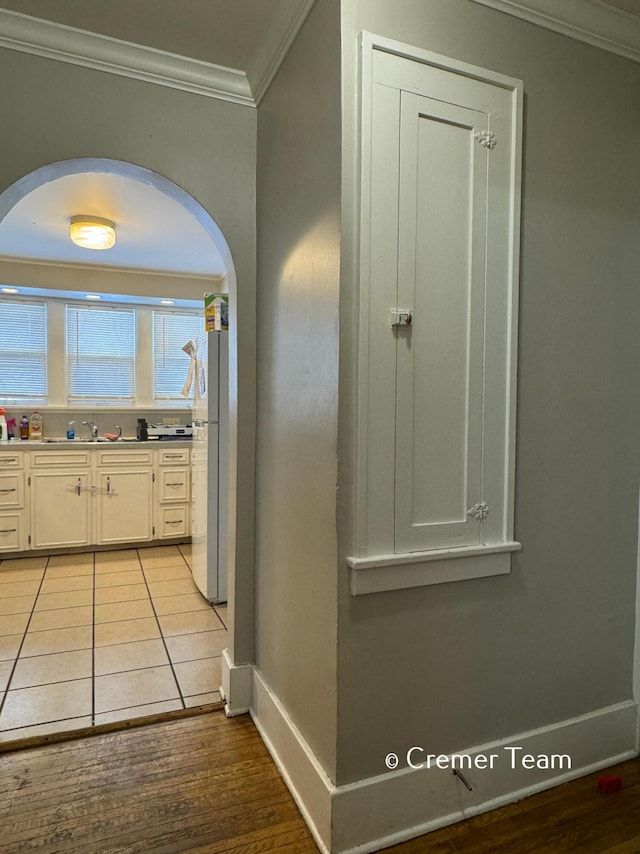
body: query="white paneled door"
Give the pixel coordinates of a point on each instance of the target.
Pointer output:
(440, 189)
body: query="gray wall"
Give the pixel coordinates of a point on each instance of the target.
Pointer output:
(52, 111)
(455, 665)
(297, 317)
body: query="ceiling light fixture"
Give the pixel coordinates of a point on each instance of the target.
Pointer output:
(10, 291)
(92, 232)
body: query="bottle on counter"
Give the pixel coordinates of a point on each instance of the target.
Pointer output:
(4, 431)
(71, 432)
(36, 428)
(24, 427)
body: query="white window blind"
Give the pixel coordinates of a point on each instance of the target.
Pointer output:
(171, 331)
(100, 344)
(23, 352)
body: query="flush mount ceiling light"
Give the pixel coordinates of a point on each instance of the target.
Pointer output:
(92, 232)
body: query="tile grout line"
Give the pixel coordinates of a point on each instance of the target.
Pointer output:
(164, 643)
(24, 637)
(94, 577)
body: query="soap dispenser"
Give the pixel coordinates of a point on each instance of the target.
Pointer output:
(71, 433)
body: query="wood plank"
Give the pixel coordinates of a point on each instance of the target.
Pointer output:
(206, 785)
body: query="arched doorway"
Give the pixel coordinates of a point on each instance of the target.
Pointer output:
(49, 173)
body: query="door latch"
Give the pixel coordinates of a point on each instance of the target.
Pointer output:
(401, 318)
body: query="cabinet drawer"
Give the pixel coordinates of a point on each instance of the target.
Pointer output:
(11, 538)
(125, 458)
(174, 521)
(68, 459)
(10, 460)
(174, 484)
(171, 457)
(11, 490)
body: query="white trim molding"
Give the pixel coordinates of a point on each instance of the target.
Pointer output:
(592, 21)
(377, 573)
(398, 805)
(236, 686)
(51, 40)
(103, 53)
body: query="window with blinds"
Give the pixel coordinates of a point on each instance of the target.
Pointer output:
(101, 349)
(171, 331)
(23, 352)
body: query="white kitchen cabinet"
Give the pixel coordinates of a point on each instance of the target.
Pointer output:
(13, 516)
(55, 497)
(124, 508)
(173, 522)
(173, 493)
(60, 508)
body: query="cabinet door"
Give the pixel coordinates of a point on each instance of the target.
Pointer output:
(11, 490)
(174, 522)
(174, 485)
(124, 506)
(440, 195)
(13, 531)
(60, 509)
(440, 357)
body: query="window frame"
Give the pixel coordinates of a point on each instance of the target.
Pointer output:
(56, 359)
(36, 400)
(96, 401)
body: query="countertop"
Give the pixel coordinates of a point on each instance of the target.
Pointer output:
(57, 444)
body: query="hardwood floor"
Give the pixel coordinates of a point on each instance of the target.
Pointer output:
(206, 785)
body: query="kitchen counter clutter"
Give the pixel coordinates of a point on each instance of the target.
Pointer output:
(84, 493)
(57, 441)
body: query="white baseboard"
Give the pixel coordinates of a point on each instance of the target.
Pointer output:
(236, 686)
(307, 781)
(398, 805)
(402, 804)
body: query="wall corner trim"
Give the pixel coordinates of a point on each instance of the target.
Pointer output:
(589, 21)
(50, 40)
(236, 688)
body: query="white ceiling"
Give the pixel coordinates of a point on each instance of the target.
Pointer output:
(153, 231)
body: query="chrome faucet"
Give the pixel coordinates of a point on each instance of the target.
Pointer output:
(93, 427)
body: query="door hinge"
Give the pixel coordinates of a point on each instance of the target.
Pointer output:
(29, 481)
(29, 539)
(153, 531)
(153, 477)
(401, 318)
(479, 511)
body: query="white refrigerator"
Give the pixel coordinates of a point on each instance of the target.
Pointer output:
(209, 469)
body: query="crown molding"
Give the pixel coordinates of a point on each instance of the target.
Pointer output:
(103, 53)
(590, 21)
(265, 64)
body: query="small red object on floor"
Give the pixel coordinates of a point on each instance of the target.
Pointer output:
(610, 783)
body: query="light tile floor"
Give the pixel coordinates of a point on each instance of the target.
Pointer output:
(101, 637)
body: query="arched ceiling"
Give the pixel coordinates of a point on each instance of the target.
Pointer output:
(153, 231)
